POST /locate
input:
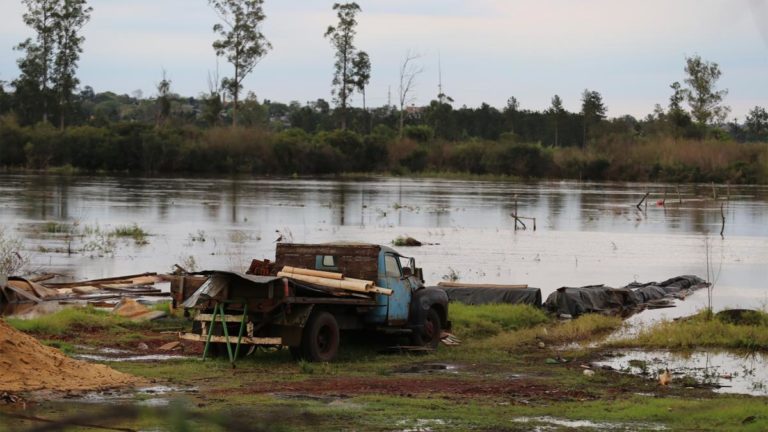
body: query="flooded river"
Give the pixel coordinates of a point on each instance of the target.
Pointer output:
(586, 233)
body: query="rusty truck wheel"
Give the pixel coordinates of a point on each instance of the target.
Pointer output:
(320, 340)
(432, 328)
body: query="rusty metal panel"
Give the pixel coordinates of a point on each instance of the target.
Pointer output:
(353, 260)
(183, 286)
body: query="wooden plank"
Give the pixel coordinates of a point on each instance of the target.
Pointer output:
(228, 318)
(358, 286)
(117, 279)
(380, 290)
(310, 272)
(246, 340)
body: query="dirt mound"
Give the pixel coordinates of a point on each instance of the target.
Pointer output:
(26, 364)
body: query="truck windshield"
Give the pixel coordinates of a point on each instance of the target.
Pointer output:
(392, 266)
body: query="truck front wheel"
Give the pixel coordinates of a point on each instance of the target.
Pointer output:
(320, 340)
(429, 334)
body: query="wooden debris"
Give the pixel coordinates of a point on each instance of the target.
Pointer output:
(449, 339)
(665, 378)
(331, 283)
(170, 346)
(347, 284)
(85, 289)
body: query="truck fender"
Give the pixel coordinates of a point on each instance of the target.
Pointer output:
(422, 301)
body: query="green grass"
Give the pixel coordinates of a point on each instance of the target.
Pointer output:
(490, 320)
(583, 328)
(53, 227)
(704, 331)
(133, 231)
(65, 347)
(70, 320)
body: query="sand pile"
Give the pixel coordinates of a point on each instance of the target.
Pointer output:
(26, 364)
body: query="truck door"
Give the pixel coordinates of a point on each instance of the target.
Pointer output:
(400, 300)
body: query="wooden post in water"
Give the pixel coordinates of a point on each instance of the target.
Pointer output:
(722, 215)
(641, 202)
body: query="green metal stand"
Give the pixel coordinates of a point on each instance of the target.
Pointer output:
(218, 309)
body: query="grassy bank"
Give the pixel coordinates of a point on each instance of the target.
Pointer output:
(704, 330)
(499, 378)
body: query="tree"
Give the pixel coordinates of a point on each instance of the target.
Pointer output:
(35, 79)
(592, 111)
(5, 99)
(677, 115)
(163, 100)
(352, 68)
(757, 124)
(71, 16)
(408, 72)
(556, 111)
(212, 103)
(361, 66)
(701, 94)
(241, 43)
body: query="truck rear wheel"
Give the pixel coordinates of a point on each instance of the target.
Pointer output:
(432, 328)
(320, 340)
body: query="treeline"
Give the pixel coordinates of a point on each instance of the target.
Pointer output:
(171, 133)
(144, 148)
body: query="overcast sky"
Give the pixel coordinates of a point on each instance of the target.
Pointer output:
(629, 51)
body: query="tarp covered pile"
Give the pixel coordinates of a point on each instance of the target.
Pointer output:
(630, 298)
(479, 294)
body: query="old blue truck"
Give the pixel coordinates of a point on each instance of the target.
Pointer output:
(266, 310)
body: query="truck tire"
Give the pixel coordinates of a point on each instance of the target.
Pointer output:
(429, 334)
(320, 340)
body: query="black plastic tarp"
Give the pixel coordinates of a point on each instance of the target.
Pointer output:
(479, 295)
(600, 298)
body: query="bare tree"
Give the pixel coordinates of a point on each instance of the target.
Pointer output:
(408, 72)
(241, 43)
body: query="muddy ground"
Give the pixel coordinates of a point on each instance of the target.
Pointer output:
(457, 388)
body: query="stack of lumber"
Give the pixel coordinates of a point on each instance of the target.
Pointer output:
(332, 280)
(20, 290)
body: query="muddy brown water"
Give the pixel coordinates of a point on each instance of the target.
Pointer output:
(586, 233)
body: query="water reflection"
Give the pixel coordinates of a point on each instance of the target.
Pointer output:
(724, 372)
(587, 232)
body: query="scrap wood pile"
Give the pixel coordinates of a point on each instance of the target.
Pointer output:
(19, 290)
(334, 281)
(27, 364)
(629, 299)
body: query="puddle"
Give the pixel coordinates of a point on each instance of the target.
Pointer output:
(152, 396)
(724, 372)
(552, 423)
(106, 350)
(421, 425)
(148, 357)
(428, 368)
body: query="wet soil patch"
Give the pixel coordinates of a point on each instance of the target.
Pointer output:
(414, 386)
